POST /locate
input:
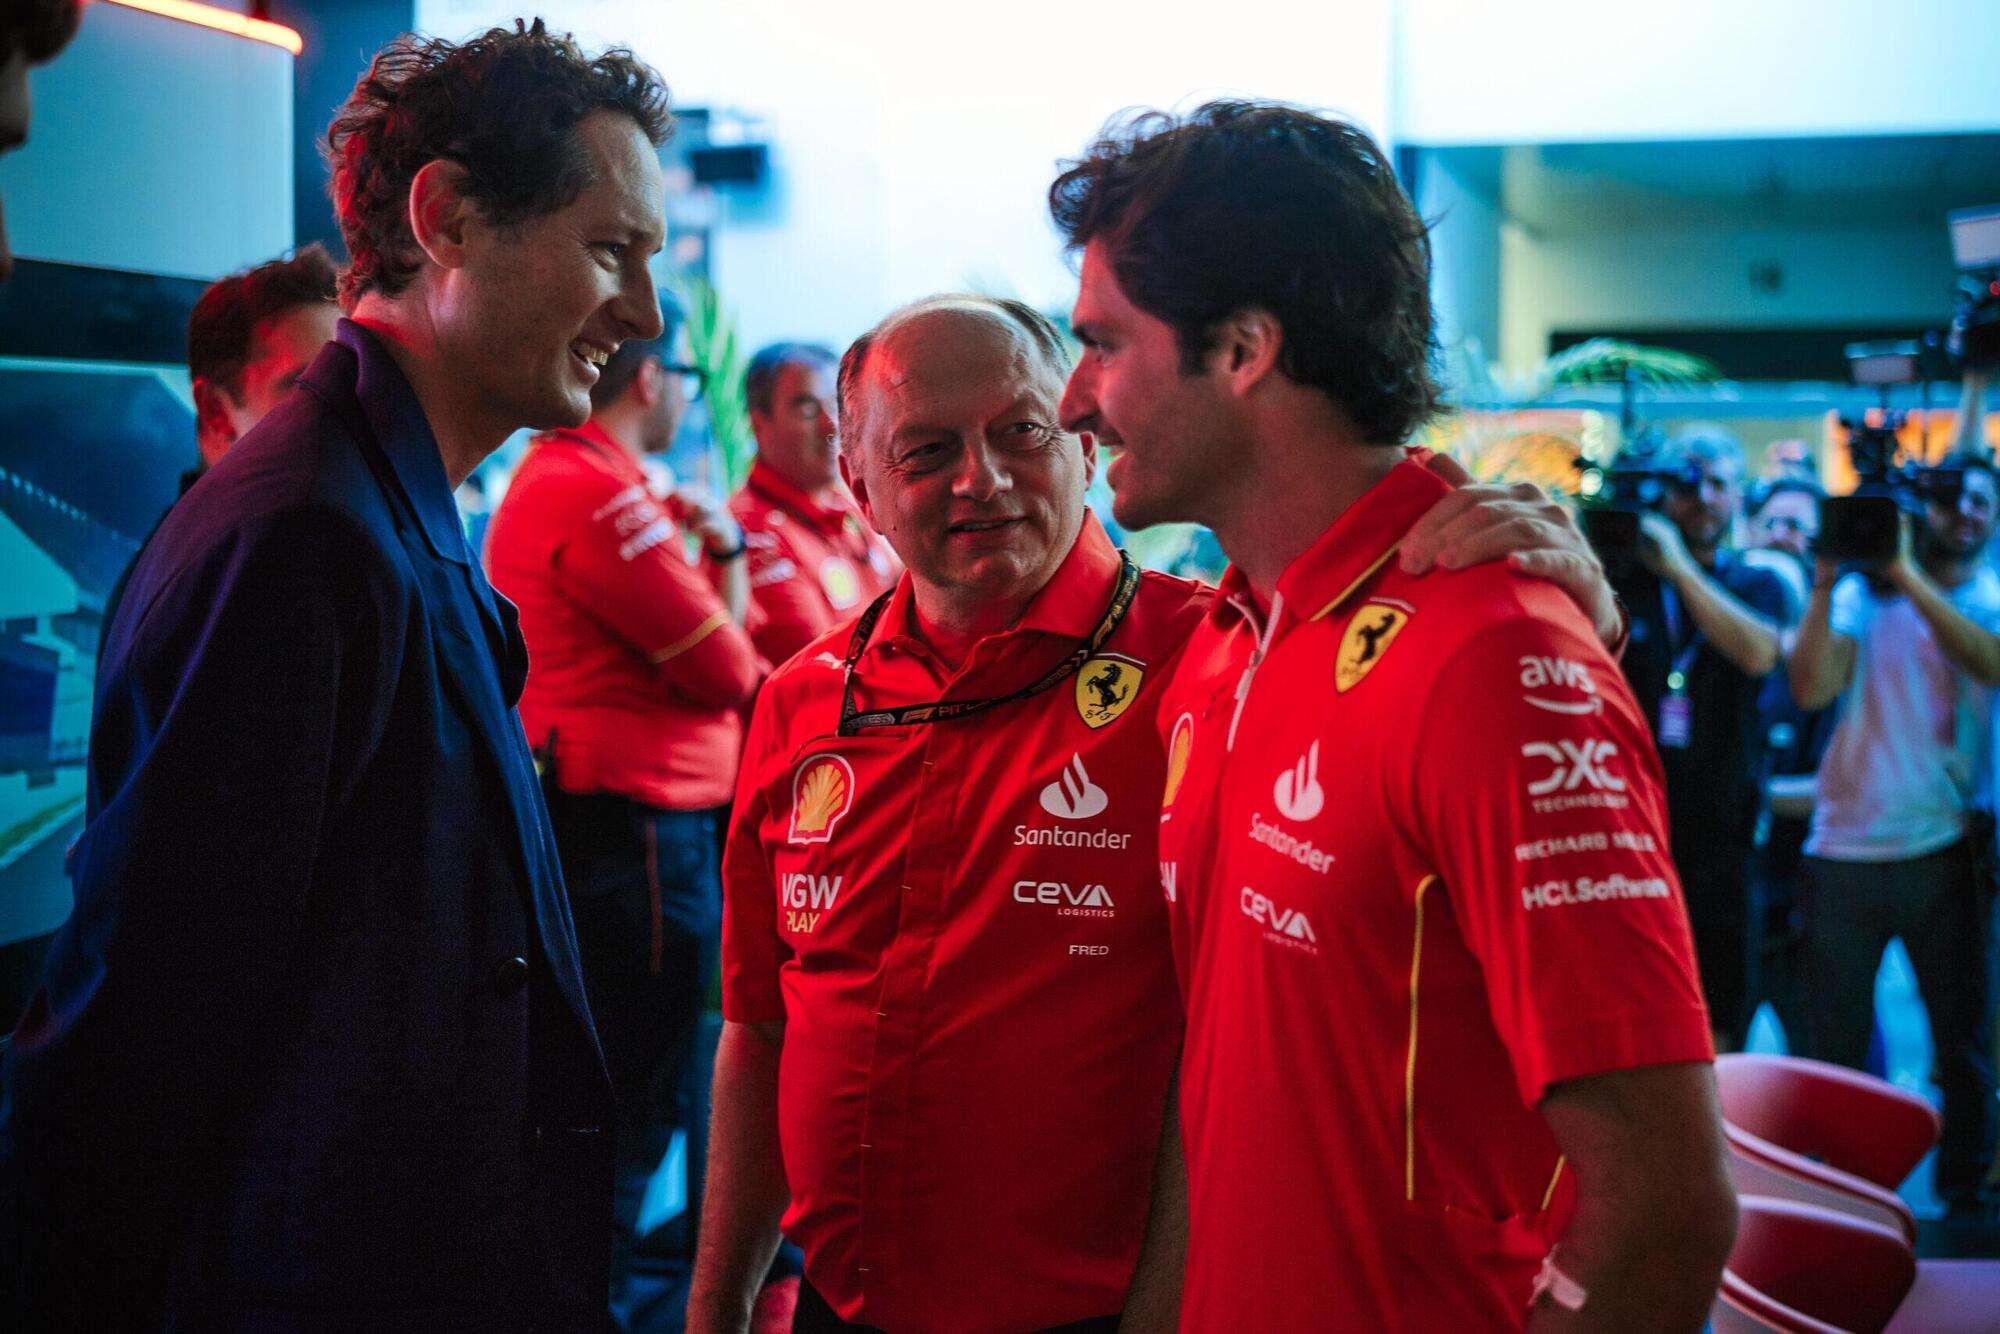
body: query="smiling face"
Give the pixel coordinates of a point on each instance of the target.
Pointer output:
(1960, 530)
(537, 308)
(958, 460)
(1166, 431)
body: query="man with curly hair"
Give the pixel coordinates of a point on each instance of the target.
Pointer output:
(31, 33)
(313, 1051)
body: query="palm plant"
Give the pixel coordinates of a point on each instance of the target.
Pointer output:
(716, 350)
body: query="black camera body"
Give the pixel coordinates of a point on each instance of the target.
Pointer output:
(1637, 481)
(1863, 526)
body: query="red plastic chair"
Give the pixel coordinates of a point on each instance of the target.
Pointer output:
(1806, 1270)
(1848, 1120)
(1759, 1167)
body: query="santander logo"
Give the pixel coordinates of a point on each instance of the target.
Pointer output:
(1073, 796)
(1298, 793)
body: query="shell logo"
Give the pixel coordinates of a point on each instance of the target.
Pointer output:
(822, 792)
(1177, 756)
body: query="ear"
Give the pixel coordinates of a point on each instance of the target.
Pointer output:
(440, 212)
(858, 488)
(1088, 443)
(212, 422)
(1247, 348)
(649, 384)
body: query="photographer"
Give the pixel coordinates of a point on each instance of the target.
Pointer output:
(1704, 635)
(1784, 525)
(1909, 647)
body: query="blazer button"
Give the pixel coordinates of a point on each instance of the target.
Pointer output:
(509, 976)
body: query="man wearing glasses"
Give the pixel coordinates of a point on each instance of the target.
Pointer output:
(638, 668)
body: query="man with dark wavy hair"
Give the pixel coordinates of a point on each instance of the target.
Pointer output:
(31, 33)
(1444, 1037)
(313, 1051)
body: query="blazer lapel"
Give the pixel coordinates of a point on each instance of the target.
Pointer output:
(481, 655)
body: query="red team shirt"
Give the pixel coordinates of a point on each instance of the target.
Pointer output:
(635, 665)
(812, 566)
(959, 924)
(1416, 855)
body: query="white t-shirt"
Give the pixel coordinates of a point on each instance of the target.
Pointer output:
(1911, 743)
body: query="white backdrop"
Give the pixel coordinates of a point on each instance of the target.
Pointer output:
(914, 142)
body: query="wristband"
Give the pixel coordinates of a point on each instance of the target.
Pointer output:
(1557, 1286)
(721, 557)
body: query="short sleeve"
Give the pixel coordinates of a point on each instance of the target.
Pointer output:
(752, 950)
(621, 559)
(1539, 802)
(1852, 605)
(1763, 591)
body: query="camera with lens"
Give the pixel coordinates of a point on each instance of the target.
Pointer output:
(1637, 481)
(1975, 323)
(1862, 526)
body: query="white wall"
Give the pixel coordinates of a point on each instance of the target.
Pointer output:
(1700, 275)
(1553, 71)
(180, 133)
(1465, 262)
(914, 142)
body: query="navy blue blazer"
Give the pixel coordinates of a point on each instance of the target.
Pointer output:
(312, 1053)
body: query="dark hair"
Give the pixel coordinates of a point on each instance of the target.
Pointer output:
(1763, 493)
(504, 106)
(760, 379)
(225, 319)
(38, 28)
(1041, 331)
(1259, 205)
(619, 372)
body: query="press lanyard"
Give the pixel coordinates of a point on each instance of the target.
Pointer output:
(853, 722)
(1676, 729)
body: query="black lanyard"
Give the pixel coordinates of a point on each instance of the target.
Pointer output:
(852, 722)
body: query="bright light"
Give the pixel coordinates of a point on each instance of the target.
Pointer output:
(223, 20)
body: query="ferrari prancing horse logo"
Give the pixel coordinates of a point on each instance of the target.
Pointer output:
(1106, 687)
(1367, 638)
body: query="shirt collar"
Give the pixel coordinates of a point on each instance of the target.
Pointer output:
(392, 411)
(775, 487)
(1070, 604)
(598, 440)
(1354, 547)
(1360, 541)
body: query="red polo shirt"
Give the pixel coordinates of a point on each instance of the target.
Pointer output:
(812, 565)
(1419, 859)
(634, 665)
(959, 924)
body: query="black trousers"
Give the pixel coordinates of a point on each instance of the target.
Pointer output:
(1714, 866)
(1940, 908)
(645, 889)
(814, 1316)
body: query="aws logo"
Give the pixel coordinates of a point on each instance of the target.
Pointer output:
(822, 793)
(806, 899)
(1541, 673)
